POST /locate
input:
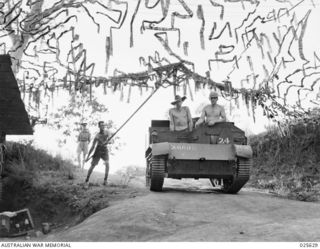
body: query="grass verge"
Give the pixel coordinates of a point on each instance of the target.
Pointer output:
(287, 160)
(52, 188)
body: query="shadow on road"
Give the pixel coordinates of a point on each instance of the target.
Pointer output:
(173, 189)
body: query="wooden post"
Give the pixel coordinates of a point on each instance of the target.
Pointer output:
(189, 88)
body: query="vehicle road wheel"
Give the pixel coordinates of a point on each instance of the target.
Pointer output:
(157, 171)
(240, 178)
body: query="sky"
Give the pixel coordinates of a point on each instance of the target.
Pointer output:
(263, 58)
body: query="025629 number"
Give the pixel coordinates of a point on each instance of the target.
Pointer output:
(309, 244)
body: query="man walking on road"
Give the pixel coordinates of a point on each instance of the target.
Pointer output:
(101, 151)
(212, 113)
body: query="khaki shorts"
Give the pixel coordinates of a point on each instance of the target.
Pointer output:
(100, 155)
(83, 147)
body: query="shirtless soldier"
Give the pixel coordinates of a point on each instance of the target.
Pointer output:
(101, 151)
(213, 113)
(180, 117)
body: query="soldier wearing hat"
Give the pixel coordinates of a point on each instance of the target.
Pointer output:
(84, 138)
(180, 116)
(212, 113)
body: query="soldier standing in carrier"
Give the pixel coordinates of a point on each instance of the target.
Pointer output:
(212, 113)
(100, 142)
(180, 116)
(84, 138)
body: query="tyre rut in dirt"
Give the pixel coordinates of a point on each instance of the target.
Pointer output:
(241, 177)
(157, 173)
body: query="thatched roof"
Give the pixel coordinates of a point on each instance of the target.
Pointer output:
(13, 116)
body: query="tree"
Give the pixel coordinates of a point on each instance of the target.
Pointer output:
(33, 29)
(80, 108)
(25, 22)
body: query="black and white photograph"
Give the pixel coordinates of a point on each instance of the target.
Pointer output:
(190, 121)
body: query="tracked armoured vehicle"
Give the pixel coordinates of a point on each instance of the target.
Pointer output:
(219, 153)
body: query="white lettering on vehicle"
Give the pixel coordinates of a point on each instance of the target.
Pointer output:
(181, 147)
(223, 140)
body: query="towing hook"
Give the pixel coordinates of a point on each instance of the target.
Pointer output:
(201, 159)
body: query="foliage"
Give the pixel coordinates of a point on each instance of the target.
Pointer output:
(287, 160)
(24, 160)
(36, 180)
(28, 22)
(127, 174)
(80, 108)
(36, 31)
(23, 168)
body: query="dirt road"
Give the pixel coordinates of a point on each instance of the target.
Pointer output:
(184, 213)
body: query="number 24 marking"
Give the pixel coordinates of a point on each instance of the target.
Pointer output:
(223, 140)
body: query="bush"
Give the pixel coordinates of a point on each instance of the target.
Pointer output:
(286, 159)
(127, 174)
(23, 160)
